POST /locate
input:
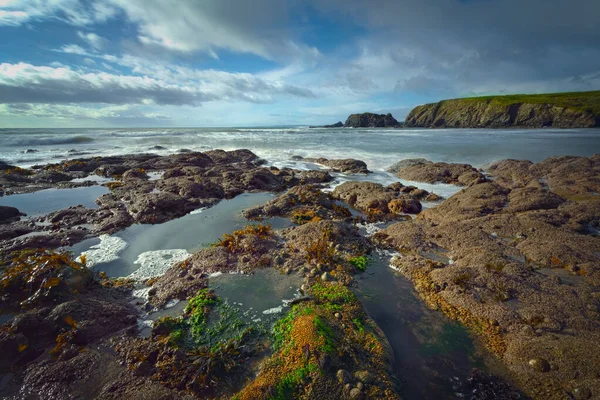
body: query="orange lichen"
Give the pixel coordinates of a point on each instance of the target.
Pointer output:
(232, 242)
(320, 250)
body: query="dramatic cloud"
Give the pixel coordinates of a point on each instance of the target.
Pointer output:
(259, 27)
(25, 83)
(303, 58)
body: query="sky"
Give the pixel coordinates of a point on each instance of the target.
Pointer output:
(193, 63)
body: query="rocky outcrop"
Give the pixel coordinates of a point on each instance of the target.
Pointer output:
(421, 170)
(499, 112)
(347, 165)
(370, 120)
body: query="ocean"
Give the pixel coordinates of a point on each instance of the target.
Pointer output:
(379, 148)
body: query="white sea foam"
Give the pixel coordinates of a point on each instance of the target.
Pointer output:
(198, 211)
(172, 303)
(274, 310)
(107, 250)
(156, 263)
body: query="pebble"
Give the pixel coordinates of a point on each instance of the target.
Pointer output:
(338, 315)
(363, 376)
(360, 386)
(326, 277)
(539, 364)
(355, 393)
(343, 376)
(582, 393)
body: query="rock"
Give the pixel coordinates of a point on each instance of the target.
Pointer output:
(433, 197)
(363, 376)
(8, 214)
(409, 162)
(29, 151)
(539, 364)
(326, 277)
(355, 393)
(582, 393)
(495, 112)
(337, 315)
(360, 386)
(135, 173)
(370, 120)
(344, 376)
(348, 165)
(456, 174)
(405, 204)
(157, 148)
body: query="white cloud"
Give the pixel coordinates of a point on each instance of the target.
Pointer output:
(93, 40)
(26, 83)
(76, 12)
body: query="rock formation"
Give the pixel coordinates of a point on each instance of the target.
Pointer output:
(370, 120)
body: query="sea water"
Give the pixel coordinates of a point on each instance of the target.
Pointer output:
(379, 148)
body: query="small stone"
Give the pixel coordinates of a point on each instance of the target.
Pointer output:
(360, 386)
(363, 376)
(326, 277)
(347, 387)
(582, 393)
(539, 364)
(344, 376)
(338, 315)
(356, 394)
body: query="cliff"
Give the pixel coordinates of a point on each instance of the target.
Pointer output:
(369, 120)
(560, 110)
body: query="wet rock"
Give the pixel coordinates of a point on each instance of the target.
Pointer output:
(405, 204)
(343, 376)
(8, 214)
(349, 165)
(426, 171)
(50, 176)
(375, 199)
(135, 173)
(356, 394)
(30, 151)
(363, 376)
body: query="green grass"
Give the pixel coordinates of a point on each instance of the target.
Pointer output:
(579, 101)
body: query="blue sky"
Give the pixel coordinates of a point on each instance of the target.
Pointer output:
(83, 63)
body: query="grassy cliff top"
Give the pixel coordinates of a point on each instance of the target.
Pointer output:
(581, 101)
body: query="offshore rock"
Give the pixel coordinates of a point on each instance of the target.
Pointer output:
(370, 120)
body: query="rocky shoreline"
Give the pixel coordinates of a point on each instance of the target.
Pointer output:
(512, 256)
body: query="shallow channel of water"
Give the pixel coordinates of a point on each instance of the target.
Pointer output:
(117, 255)
(432, 353)
(50, 200)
